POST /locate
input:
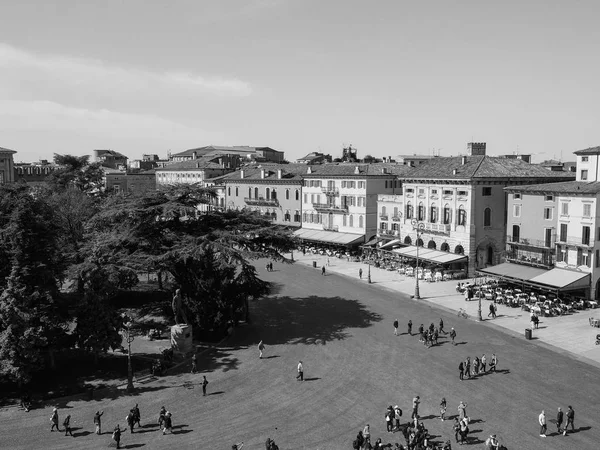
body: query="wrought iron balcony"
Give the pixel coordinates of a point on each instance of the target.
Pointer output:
(330, 208)
(517, 240)
(576, 241)
(388, 233)
(331, 228)
(330, 191)
(437, 227)
(261, 201)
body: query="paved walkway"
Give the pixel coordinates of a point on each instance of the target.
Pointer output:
(569, 333)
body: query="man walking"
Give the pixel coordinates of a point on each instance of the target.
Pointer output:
(462, 410)
(204, 384)
(67, 425)
(559, 420)
(542, 420)
(483, 363)
(415, 407)
(410, 327)
(97, 422)
(570, 420)
(360, 273)
(461, 371)
(137, 416)
(442, 331)
(130, 420)
(453, 335)
(396, 327)
(323, 270)
(117, 436)
(300, 375)
(492, 311)
(261, 347)
(493, 363)
(54, 420)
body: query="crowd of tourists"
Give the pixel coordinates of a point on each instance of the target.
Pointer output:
(479, 366)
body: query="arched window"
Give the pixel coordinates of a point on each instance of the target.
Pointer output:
(445, 247)
(229, 191)
(459, 250)
(462, 215)
(383, 210)
(287, 217)
(237, 193)
(431, 244)
(409, 210)
(274, 194)
(395, 211)
(297, 195)
(433, 214)
(407, 240)
(287, 194)
(487, 217)
(421, 212)
(256, 192)
(297, 216)
(312, 218)
(447, 214)
(345, 220)
(516, 233)
(268, 193)
(420, 242)
(360, 221)
(274, 215)
(351, 220)
(249, 192)
(304, 217)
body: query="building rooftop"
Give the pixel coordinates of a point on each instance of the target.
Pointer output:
(219, 150)
(289, 172)
(565, 187)
(201, 163)
(481, 166)
(110, 152)
(7, 150)
(588, 151)
(357, 169)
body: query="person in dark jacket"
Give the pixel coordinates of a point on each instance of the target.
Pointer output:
(396, 327)
(67, 425)
(98, 421)
(570, 419)
(117, 436)
(461, 371)
(410, 327)
(130, 420)
(137, 416)
(168, 423)
(559, 420)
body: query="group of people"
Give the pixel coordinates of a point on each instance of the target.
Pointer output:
(560, 419)
(165, 423)
(429, 337)
(479, 366)
(269, 266)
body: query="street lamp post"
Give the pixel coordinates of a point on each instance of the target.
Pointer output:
(369, 274)
(129, 337)
(479, 317)
(418, 227)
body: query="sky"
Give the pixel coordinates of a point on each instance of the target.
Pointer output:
(389, 77)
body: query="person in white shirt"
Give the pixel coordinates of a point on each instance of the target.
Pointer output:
(542, 420)
(300, 375)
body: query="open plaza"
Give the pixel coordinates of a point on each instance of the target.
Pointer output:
(341, 328)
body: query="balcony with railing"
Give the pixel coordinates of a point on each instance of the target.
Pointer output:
(526, 242)
(261, 201)
(576, 241)
(330, 208)
(396, 218)
(331, 227)
(383, 217)
(384, 232)
(530, 256)
(330, 190)
(437, 227)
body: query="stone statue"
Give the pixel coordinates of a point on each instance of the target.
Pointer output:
(177, 306)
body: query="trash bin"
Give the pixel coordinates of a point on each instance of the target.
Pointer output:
(315, 264)
(528, 334)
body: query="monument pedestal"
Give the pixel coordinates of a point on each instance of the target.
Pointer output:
(181, 339)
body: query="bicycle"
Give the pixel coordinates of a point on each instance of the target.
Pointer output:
(463, 313)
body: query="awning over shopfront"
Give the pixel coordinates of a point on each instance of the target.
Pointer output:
(391, 243)
(563, 279)
(328, 237)
(553, 279)
(428, 254)
(373, 242)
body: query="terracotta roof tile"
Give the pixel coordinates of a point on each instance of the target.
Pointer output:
(566, 187)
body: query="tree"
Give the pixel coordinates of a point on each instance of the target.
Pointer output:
(209, 254)
(76, 172)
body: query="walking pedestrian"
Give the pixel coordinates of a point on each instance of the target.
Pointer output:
(421, 329)
(54, 420)
(559, 420)
(300, 375)
(456, 429)
(453, 335)
(360, 273)
(389, 419)
(367, 435)
(194, 363)
(464, 430)
(442, 331)
(415, 407)
(323, 270)
(462, 410)
(261, 347)
(398, 414)
(204, 384)
(483, 363)
(476, 366)
(492, 311)
(396, 327)
(117, 436)
(98, 422)
(137, 417)
(493, 362)
(468, 367)
(161, 416)
(67, 425)
(570, 419)
(461, 371)
(435, 336)
(443, 409)
(410, 327)
(542, 420)
(130, 420)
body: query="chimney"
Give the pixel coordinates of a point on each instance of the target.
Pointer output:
(384, 170)
(356, 170)
(279, 173)
(262, 173)
(242, 173)
(463, 160)
(194, 155)
(308, 170)
(454, 171)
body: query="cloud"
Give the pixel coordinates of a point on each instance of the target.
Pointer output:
(28, 74)
(44, 116)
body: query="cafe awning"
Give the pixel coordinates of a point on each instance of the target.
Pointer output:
(563, 279)
(391, 243)
(373, 242)
(328, 237)
(431, 255)
(513, 272)
(549, 279)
